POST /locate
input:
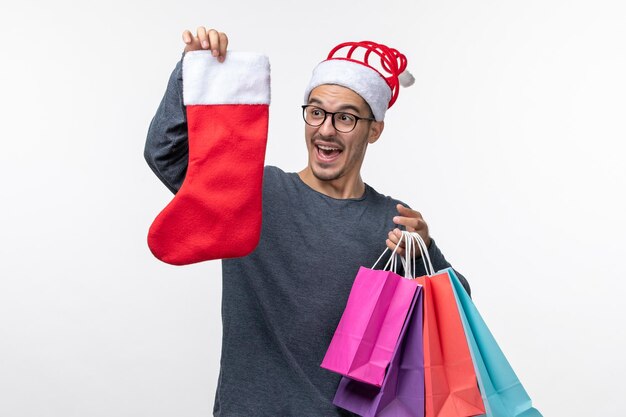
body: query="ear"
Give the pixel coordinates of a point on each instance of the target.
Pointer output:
(376, 129)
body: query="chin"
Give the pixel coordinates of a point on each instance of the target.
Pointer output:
(325, 174)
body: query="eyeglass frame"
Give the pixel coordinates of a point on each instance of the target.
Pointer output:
(332, 119)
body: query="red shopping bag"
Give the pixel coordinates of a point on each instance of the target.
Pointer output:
(451, 386)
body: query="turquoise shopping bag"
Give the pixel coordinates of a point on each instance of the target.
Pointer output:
(502, 392)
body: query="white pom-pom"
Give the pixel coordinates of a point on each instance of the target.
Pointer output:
(406, 79)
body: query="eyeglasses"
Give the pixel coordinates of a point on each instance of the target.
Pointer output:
(342, 122)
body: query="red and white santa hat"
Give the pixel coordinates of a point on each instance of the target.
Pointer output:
(373, 71)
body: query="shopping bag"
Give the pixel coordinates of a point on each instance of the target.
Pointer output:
(451, 387)
(450, 382)
(502, 392)
(402, 391)
(370, 326)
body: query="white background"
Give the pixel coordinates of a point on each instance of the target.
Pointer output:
(511, 143)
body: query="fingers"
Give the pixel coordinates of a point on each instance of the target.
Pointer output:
(392, 240)
(191, 42)
(207, 39)
(407, 212)
(395, 236)
(202, 37)
(214, 42)
(223, 45)
(410, 219)
(392, 246)
(404, 210)
(187, 37)
(413, 222)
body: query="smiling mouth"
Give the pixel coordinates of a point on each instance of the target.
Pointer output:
(328, 153)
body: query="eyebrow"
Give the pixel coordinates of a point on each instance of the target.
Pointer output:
(342, 108)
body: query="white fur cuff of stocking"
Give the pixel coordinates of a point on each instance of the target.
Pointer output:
(243, 78)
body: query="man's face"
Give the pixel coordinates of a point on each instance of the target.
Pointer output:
(332, 154)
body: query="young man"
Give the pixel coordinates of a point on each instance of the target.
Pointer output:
(281, 304)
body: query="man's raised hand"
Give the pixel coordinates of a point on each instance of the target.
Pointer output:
(207, 39)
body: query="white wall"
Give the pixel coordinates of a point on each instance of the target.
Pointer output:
(510, 143)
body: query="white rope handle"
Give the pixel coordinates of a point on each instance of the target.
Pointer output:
(409, 265)
(392, 262)
(408, 261)
(412, 240)
(409, 256)
(428, 265)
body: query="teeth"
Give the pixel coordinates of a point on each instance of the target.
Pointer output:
(327, 148)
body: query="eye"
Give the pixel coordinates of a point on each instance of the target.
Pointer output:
(346, 118)
(316, 113)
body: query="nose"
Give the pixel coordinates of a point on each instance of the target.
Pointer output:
(327, 128)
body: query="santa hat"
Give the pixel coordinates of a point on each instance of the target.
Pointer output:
(373, 71)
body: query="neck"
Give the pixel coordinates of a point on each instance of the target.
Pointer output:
(340, 188)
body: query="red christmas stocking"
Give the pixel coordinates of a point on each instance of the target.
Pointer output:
(217, 212)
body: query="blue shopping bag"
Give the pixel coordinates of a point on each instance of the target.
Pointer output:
(502, 392)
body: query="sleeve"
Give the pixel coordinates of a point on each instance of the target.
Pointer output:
(166, 150)
(439, 263)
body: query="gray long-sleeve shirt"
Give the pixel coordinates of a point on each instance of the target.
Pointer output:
(281, 304)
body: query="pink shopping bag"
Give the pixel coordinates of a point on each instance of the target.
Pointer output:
(369, 329)
(402, 392)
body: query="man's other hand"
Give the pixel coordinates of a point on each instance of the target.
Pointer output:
(413, 222)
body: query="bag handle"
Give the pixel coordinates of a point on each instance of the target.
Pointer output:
(392, 262)
(428, 265)
(408, 261)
